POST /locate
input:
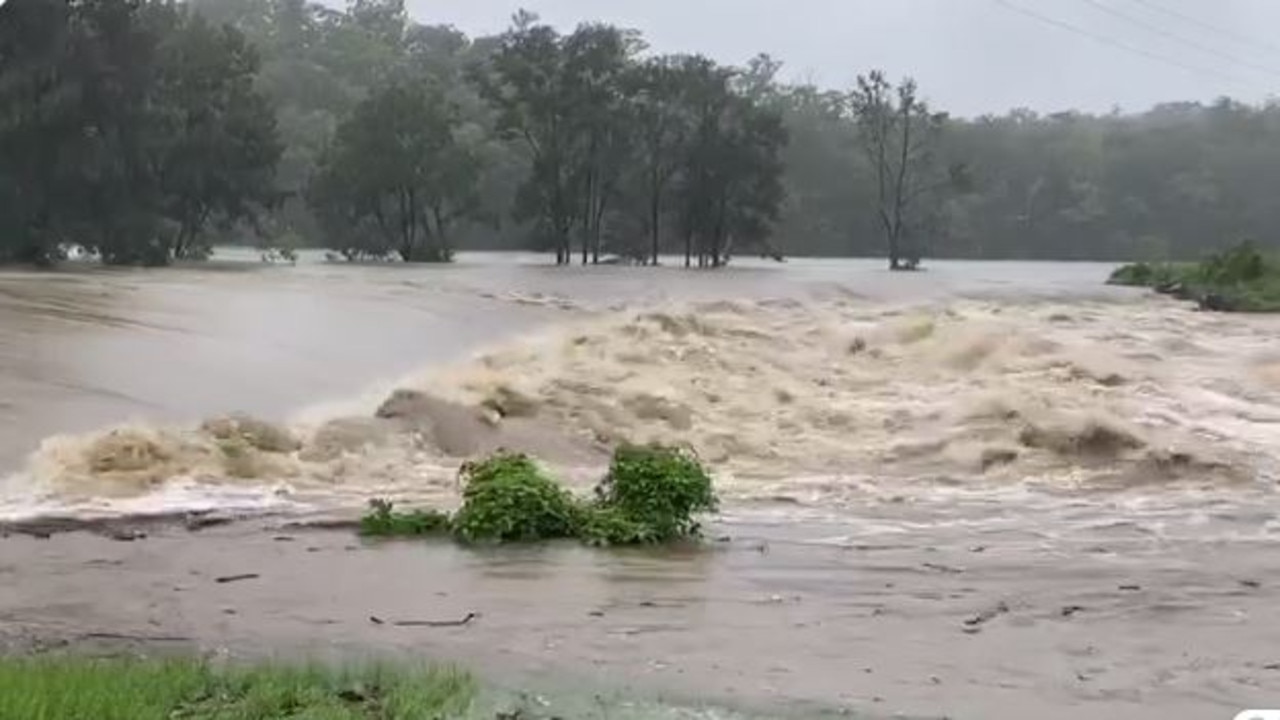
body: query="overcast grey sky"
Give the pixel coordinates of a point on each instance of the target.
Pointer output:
(970, 56)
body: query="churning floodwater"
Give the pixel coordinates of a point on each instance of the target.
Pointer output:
(814, 382)
(995, 490)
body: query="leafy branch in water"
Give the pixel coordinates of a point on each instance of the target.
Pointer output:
(652, 494)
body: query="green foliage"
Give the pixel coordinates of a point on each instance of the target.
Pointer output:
(221, 162)
(398, 177)
(146, 134)
(652, 494)
(1239, 279)
(508, 498)
(730, 175)
(1238, 265)
(384, 521)
(1133, 275)
(71, 688)
(611, 136)
(899, 135)
(1151, 275)
(604, 526)
(658, 489)
(126, 127)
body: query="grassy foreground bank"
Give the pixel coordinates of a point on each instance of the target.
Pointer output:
(81, 688)
(74, 688)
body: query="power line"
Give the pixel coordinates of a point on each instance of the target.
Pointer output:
(1175, 37)
(1224, 32)
(1111, 42)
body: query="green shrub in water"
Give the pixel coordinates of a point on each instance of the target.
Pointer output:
(383, 520)
(653, 493)
(507, 498)
(608, 526)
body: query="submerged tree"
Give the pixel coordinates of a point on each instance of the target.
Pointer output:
(398, 168)
(596, 61)
(611, 136)
(37, 123)
(899, 135)
(730, 178)
(525, 81)
(222, 161)
(127, 125)
(137, 130)
(660, 118)
(115, 203)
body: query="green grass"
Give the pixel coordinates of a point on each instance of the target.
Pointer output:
(75, 688)
(1241, 279)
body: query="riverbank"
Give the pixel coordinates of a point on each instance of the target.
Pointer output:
(1240, 279)
(959, 619)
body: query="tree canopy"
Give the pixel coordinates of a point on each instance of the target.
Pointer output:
(612, 136)
(397, 177)
(147, 130)
(126, 127)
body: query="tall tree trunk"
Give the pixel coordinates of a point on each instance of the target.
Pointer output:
(409, 215)
(882, 178)
(655, 234)
(178, 251)
(899, 189)
(564, 235)
(442, 234)
(561, 225)
(598, 232)
(588, 209)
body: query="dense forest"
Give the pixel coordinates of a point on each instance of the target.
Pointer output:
(148, 131)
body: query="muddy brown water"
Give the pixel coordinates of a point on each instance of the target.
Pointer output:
(947, 621)
(986, 491)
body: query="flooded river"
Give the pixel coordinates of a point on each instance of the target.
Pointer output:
(156, 353)
(988, 490)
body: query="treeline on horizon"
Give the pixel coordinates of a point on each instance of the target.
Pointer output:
(149, 131)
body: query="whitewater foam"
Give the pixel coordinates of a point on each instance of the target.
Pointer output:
(856, 398)
(778, 389)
